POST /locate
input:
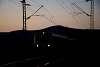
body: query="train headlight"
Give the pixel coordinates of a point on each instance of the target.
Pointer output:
(48, 45)
(37, 45)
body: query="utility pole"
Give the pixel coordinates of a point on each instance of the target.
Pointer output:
(92, 15)
(24, 14)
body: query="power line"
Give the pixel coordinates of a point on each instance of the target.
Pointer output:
(77, 21)
(66, 5)
(37, 2)
(79, 7)
(29, 9)
(91, 15)
(51, 16)
(48, 12)
(61, 5)
(83, 18)
(77, 12)
(48, 19)
(14, 3)
(83, 24)
(68, 12)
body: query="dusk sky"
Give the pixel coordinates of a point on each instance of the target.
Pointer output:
(54, 12)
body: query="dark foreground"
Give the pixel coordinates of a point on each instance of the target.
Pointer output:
(78, 48)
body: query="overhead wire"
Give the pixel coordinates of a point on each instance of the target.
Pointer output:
(37, 2)
(44, 16)
(82, 24)
(77, 22)
(68, 12)
(48, 12)
(70, 1)
(62, 6)
(14, 3)
(81, 1)
(29, 9)
(50, 17)
(78, 16)
(66, 5)
(43, 7)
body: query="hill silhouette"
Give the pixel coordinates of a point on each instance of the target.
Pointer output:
(79, 35)
(78, 44)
